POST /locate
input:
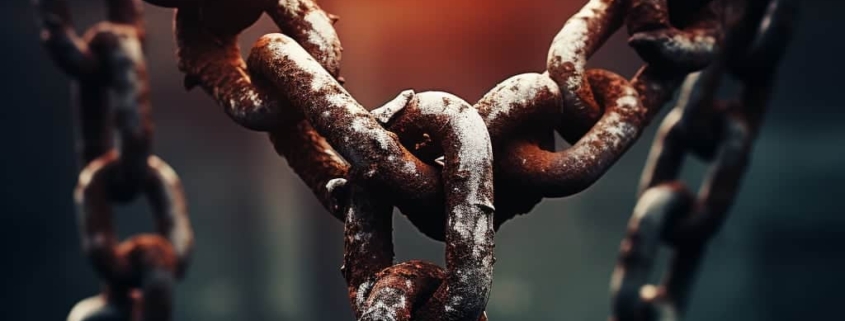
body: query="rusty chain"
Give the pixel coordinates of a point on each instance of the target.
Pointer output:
(432, 155)
(108, 65)
(715, 130)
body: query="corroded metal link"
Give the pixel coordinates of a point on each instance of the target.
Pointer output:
(94, 121)
(657, 209)
(214, 62)
(762, 45)
(682, 127)
(468, 188)
(368, 240)
(520, 111)
(209, 54)
(345, 124)
(721, 185)
(378, 290)
(670, 146)
(311, 27)
(108, 63)
(212, 59)
(66, 48)
(523, 107)
(464, 140)
(580, 37)
(401, 289)
(64, 45)
(99, 240)
(118, 48)
(659, 41)
(73, 55)
(403, 292)
(666, 211)
(153, 256)
(312, 159)
(557, 174)
(467, 176)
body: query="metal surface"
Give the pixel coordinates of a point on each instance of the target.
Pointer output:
(457, 171)
(138, 274)
(720, 132)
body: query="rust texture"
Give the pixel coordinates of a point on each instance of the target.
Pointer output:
(716, 130)
(139, 273)
(209, 55)
(580, 37)
(456, 170)
(683, 34)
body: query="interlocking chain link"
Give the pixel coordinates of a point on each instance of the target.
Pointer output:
(108, 64)
(456, 170)
(719, 131)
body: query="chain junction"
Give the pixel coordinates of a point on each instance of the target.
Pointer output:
(456, 170)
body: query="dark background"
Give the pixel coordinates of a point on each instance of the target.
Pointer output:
(266, 251)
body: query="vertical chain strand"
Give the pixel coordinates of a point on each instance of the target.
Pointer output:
(139, 273)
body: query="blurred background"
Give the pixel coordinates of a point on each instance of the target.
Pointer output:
(267, 251)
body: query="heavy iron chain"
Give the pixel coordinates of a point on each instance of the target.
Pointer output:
(438, 158)
(108, 66)
(719, 131)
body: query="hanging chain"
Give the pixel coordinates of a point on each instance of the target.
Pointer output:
(432, 155)
(718, 131)
(108, 67)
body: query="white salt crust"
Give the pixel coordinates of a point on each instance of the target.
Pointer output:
(132, 49)
(471, 129)
(381, 310)
(387, 111)
(681, 42)
(354, 214)
(360, 297)
(85, 307)
(476, 160)
(569, 44)
(322, 31)
(322, 81)
(282, 46)
(476, 157)
(528, 87)
(334, 184)
(621, 132)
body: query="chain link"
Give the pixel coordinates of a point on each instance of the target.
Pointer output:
(718, 131)
(108, 64)
(432, 155)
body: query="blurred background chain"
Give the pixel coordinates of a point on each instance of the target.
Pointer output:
(108, 64)
(720, 132)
